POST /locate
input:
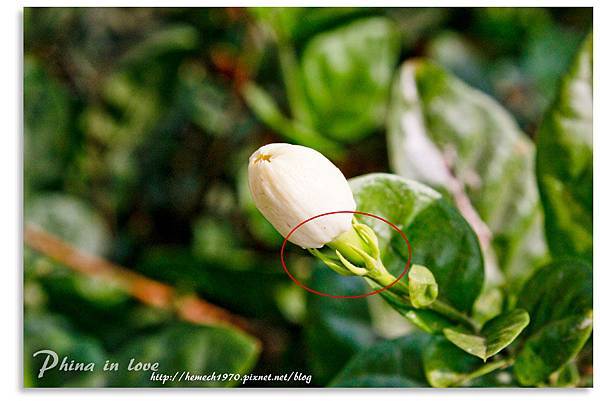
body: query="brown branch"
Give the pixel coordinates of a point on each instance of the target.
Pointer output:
(151, 292)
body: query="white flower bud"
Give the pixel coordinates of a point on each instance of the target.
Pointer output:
(291, 183)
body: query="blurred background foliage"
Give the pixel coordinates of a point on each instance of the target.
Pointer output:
(138, 125)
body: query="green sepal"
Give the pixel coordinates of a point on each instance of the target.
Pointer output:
(359, 271)
(329, 262)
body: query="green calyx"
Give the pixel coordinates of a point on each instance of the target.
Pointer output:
(356, 253)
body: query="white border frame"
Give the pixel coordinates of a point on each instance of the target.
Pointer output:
(11, 217)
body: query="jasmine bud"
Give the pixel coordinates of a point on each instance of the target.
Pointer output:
(292, 183)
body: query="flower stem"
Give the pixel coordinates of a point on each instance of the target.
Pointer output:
(485, 369)
(400, 288)
(364, 252)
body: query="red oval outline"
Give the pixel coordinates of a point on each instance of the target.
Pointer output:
(324, 294)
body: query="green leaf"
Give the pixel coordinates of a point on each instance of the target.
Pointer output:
(488, 305)
(558, 295)
(92, 293)
(341, 95)
(296, 24)
(389, 363)
(568, 376)
(47, 130)
(495, 335)
(446, 365)
(169, 40)
(550, 348)
(347, 74)
(422, 287)
(244, 289)
(69, 218)
(460, 141)
(215, 240)
(564, 161)
(184, 347)
(440, 237)
(53, 332)
(264, 106)
(335, 329)
(559, 290)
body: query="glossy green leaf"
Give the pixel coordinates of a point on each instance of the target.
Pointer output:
(558, 294)
(446, 365)
(564, 161)
(422, 286)
(488, 305)
(199, 350)
(559, 290)
(335, 329)
(439, 236)
(460, 141)
(347, 74)
(551, 347)
(389, 363)
(495, 335)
